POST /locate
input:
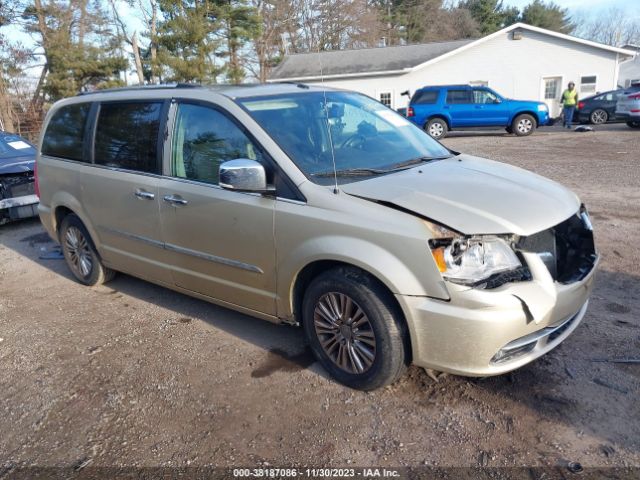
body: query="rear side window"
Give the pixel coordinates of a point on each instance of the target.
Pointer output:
(425, 97)
(65, 132)
(127, 135)
(459, 96)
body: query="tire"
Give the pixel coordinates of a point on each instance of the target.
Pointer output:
(80, 253)
(523, 125)
(634, 124)
(370, 349)
(598, 117)
(437, 128)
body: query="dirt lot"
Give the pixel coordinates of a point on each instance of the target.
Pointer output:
(134, 374)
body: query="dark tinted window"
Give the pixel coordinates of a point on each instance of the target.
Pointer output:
(459, 96)
(65, 132)
(127, 136)
(203, 139)
(425, 97)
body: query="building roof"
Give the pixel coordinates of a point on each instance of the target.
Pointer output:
(397, 60)
(365, 60)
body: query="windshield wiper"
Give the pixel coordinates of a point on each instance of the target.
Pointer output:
(416, 161)
(351, 172)
(362, 172)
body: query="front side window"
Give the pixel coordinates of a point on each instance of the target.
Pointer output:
(459, 96)
(484, 96)
(204, 138)
(65, 132)
(127, 136)
(360, 135)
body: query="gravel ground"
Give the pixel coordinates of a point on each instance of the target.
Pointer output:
(131, 374)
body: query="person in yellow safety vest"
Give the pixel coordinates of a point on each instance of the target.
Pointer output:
(569, 104)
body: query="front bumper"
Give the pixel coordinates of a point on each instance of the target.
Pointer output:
(489, 332)
(19, 207)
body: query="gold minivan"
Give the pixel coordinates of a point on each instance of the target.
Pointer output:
(321, 208)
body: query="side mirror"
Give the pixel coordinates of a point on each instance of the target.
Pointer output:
(497, 100)
(243, 175)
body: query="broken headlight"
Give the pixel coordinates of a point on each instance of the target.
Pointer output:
(479, 260)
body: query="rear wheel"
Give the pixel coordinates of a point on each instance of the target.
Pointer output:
(80, 253)
(437, 128)
(599, 116)
(523, 125)
(634, 124)
(354, 329)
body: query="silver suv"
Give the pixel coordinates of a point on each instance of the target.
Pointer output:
(320, 208)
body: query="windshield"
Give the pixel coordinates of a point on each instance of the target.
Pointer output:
(15, 146)
(367, 137)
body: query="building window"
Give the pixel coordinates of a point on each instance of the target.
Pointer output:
(479, 83)
(550, 88)
(385, 99)
(588, 84)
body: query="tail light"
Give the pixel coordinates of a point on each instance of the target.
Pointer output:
(635, 96)
(410, 112)
(35, 176)
(580, 105)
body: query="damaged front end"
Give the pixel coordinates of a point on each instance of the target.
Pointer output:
(18, 198)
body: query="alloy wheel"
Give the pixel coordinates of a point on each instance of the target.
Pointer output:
(78, 252)
(599, 116)
(524, 125)
(345, 332)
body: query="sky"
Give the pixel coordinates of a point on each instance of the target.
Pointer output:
(585, 6)
(581, 8)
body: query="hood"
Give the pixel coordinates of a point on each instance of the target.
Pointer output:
(17, 164)
(474, 196)
(524, 102)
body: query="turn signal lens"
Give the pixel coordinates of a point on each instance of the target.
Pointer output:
(438, 256)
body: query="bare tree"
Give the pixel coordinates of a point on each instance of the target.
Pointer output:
(615, 27)
(130, 39)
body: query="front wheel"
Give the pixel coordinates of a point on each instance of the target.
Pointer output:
(634, 124)
(599, 117)
(354, 329)
(523, 125)
(80, 253)
(437, 128)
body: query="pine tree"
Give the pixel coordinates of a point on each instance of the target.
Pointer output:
(547, 15)
(491, 15)
(80, 50)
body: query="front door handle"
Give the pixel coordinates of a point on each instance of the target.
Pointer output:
(144, 195)
(175, 199)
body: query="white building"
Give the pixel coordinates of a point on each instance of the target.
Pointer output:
(630, 71)
(520, 61)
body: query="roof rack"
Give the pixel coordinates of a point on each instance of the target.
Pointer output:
(144, 87)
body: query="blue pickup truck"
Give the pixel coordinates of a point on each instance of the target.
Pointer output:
(439, 109)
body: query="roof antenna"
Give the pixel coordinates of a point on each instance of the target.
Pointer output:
(326, 112)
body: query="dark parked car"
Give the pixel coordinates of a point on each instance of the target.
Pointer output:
(438, 109)
(598, 109)
(18, 198)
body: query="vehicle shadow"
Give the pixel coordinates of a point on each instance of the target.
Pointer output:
(284, 344)
(591, 381)
(578, 385)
